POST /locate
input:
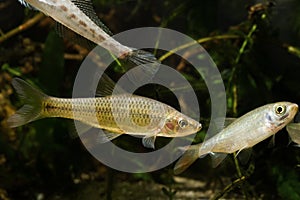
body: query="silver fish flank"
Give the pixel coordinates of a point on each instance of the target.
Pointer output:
(245, 132)
(70, 14)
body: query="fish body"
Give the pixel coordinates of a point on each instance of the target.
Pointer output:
(294, 132)
(117, 114)
(79, 16)
(68, 14)
(245, 132)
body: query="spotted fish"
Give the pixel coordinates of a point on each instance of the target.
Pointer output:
(116, 114)
(80, 17)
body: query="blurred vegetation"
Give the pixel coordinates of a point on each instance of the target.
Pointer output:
(259, 64)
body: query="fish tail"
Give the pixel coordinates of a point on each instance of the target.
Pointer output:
(140, 57)
(33, 103)
(188, 158)
(148, 66)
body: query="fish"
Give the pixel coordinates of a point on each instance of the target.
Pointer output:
(293, 130)
(80, 17)
(243, 133)
(116, 114)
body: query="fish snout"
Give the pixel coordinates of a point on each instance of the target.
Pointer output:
(294, 108)
(199, 127)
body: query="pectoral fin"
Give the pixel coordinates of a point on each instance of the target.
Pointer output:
(272, 142)
(148, 141)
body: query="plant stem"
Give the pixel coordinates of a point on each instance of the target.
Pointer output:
(229, 187)
(22, 27)
(201, 40)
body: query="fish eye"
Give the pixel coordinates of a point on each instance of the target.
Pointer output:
(182, 123)
(280, 110)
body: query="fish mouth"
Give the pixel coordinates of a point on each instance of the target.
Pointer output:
(199, 127)
(294, 108)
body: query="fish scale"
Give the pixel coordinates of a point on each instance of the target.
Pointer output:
(244, 132)
(80, 17)
(118, 114)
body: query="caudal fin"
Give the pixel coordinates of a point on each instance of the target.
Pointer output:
(148, 66)
(140, 57)
(188, 158)
(32, 108)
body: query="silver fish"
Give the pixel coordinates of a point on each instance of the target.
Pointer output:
(243, 133)
(80, 17)
(117, 114)
(294, 132)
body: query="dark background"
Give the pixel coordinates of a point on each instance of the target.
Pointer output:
(259, 63)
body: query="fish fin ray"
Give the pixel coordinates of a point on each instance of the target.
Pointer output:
(146, 70)
(105, 136)
(72, 36)
(187, 159)
(107, 86)
(87, 8)
(139, 57)
(148, 141)
(24, 3)
(33, 104)
(217, 158)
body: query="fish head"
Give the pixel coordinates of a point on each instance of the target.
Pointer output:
(281, 114)
(179, 125)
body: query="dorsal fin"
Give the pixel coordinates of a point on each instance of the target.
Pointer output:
(24, 3)
(107, 86)
(87, 8)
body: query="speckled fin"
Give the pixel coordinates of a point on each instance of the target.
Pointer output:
(86, 7)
